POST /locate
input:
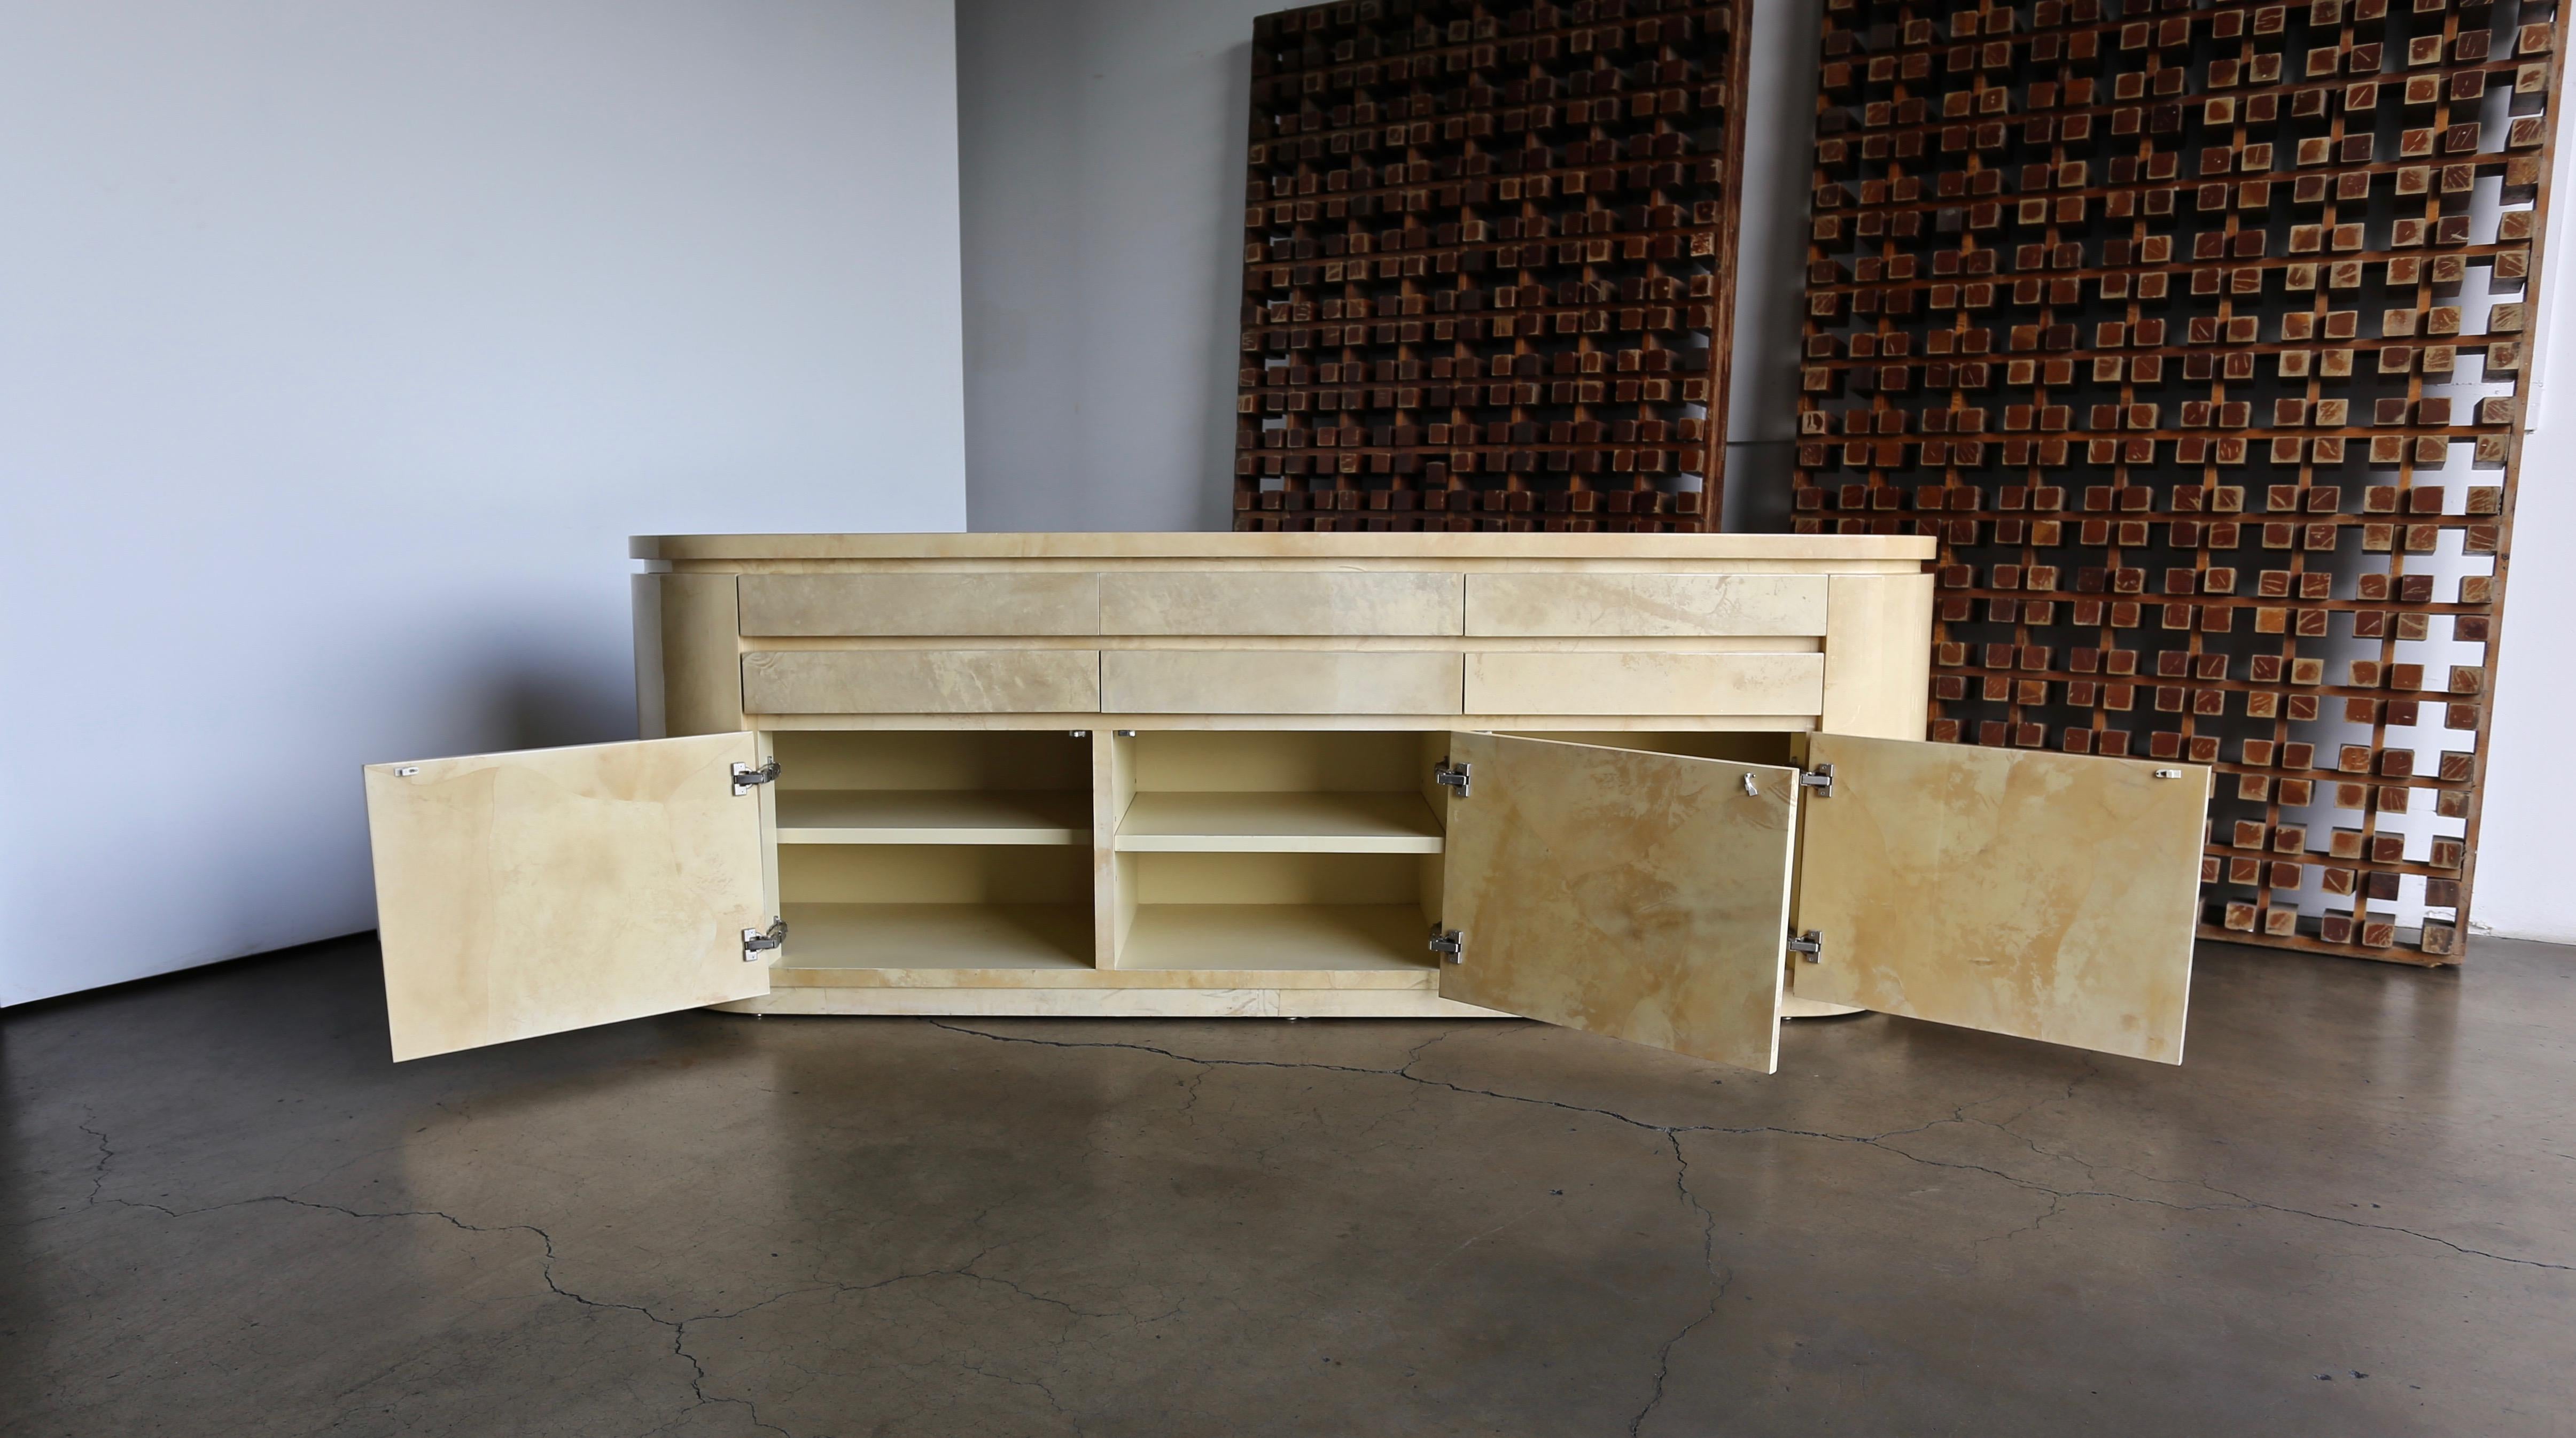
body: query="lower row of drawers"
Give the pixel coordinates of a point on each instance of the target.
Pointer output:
(1271, 681)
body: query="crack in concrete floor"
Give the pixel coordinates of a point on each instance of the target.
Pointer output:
(1194, 1107)
(1879, 1141)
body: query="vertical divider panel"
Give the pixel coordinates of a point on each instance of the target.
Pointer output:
(762, 752)
(1433, 747)
(1113, 890)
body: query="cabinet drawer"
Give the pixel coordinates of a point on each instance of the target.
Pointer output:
(872, 605)
(1645, 605)
(1274, 681)
(1252, 602)
(921, 681)
(1635, 683)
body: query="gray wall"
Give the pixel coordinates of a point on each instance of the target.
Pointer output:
(1103, 144)
(342, 346)
(1100, 199)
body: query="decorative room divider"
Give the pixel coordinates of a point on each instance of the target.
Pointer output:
(1487, 265)
(2196, 332)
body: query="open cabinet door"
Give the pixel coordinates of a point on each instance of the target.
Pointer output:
(1644, 896)
(525, 894)
(2050, 896)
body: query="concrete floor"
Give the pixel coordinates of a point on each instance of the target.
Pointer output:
(2352, 1212)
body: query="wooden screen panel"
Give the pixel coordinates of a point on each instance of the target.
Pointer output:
(2197, 333)
(1487, 265)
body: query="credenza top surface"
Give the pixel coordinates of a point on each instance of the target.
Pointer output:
(1806, 548)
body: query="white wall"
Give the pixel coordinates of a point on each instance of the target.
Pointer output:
(2523, 887)
(1103, 145)
(342, 346)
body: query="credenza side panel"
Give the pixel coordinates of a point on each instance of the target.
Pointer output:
(1878, 656)
(686, 675)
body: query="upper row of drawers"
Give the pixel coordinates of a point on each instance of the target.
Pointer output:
(1241, 601)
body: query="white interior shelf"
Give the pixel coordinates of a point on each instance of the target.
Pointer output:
(1286, 822)
(934, 816)
(938, 936)
(1278, 937)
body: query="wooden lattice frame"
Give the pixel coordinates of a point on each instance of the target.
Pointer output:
(2097, 190)
(1514, 123)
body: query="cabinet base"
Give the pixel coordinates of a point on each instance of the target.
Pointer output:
(1116, 1003)
(1140, 1003)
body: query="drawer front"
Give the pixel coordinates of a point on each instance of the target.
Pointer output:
(1274, 681)
(881, 605)
(921, 681)
(1634, 683)
(1645, 605)
(1253, 602)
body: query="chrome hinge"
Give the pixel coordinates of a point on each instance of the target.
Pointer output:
(746, 778)
(1452, 776)
(755, 941)
(1449, 944)
(1822, 781)
(1809, 945)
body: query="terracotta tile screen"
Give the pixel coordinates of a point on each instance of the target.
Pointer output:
(1486, 249)
(2197, 333)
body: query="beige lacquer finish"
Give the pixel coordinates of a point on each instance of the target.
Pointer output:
(1234, 602)
(910, 604)
(1842, 553)
(2045, 895)
(1645, 605)
(525, 894)
(1877, 671)
(1665, 683)
(1643, 896)
(921, 681)
(1277, 681)
(686, 678)
(1191, 773)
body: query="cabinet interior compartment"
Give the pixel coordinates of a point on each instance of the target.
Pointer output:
(1276, 910)
(935, 906)
(1283, 791)
(1014, 787)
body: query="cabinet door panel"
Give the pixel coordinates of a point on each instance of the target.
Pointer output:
(2049, 896)
(525, 894)
(1644, 896)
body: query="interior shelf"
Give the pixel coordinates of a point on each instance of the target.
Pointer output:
(1279, 822)
(1277, 937)
(938, 936)
(934, 816)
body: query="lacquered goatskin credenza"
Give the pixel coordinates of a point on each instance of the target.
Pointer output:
(1656, 786)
